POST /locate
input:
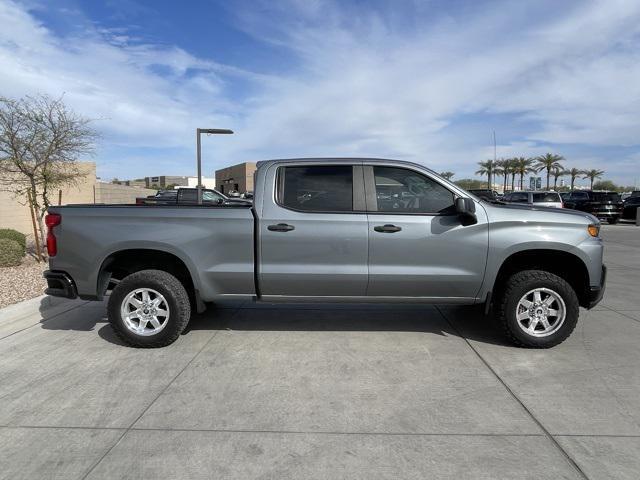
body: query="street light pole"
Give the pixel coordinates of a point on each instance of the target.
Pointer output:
(208, 131)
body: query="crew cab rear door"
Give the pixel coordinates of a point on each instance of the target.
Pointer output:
(418, 245)
(313, 231)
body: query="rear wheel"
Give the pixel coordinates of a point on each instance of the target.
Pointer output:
(149, 308)
(538, 309)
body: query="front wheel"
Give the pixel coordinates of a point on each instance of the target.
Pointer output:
(538, 309)
(149, 308)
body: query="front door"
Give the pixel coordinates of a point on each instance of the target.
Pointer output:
(313, 234)
(418, 246)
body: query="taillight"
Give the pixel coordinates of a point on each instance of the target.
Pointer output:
(51, 220)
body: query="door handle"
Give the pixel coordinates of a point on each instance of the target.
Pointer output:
(281, 227)
(388, 228)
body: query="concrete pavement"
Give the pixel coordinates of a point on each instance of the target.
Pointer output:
(294, 392)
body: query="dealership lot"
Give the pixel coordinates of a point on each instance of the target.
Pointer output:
(255, 391)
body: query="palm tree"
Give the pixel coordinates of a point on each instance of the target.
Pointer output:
(574, 173)
(513, 164)
(522, 166)
(504, 165)
(592, 175)
(487, 168)
(547, 162)
(557, 172)
(447, 175)
(499, 169)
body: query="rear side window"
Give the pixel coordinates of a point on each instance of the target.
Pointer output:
(317, 188)
(399, 190)
(188, 196)
(547, 197)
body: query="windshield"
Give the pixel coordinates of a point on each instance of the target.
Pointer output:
(605, 196)
(546, 197)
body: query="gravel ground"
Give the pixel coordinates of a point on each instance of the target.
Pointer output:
(21, 283)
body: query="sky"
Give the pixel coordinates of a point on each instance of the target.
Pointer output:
(426, 81)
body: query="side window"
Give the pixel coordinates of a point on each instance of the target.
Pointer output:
(187, 195)
(403, 191)
(317, 189)
(519, 197)
(579, 196)
(211, 196)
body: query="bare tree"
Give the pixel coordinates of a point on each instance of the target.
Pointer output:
(41, 140)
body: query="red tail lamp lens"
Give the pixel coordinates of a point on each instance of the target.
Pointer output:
(51, 220)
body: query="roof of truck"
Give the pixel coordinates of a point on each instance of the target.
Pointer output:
(338, 160)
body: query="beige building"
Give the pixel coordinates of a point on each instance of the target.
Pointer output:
(164, 181)
(237, 178)
(14, 212)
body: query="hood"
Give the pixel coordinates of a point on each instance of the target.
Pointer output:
(562, 214)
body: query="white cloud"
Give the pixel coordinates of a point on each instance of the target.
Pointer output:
(366, 83)
(104, 77)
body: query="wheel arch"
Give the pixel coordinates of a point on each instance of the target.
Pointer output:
(564, 264)
(120, 263)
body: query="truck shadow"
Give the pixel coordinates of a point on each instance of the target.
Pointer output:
(466, 322)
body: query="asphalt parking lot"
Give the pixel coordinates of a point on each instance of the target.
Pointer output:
(327, 392)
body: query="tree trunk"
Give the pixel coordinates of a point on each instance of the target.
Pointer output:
(36, 208)
(35, 228)
(548, 173)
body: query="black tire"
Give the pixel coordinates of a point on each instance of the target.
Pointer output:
(515, 288)
(173, 292)
(613, 220)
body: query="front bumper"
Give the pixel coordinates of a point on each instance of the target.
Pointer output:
(595, 294)
(60, 284)
(606, 213)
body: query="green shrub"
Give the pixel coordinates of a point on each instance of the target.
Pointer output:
(14, 235)
(11, 253)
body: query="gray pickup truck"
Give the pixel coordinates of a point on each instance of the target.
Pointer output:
(336, 230)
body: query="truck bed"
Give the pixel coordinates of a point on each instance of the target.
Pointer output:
(214, 242)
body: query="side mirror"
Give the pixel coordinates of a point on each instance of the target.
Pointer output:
(466, 210)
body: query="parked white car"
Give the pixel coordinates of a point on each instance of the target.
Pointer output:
(538, 199)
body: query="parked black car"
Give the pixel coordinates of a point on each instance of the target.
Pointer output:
(485, 193)
(604, 205)
(188, 196)
(630, 207)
